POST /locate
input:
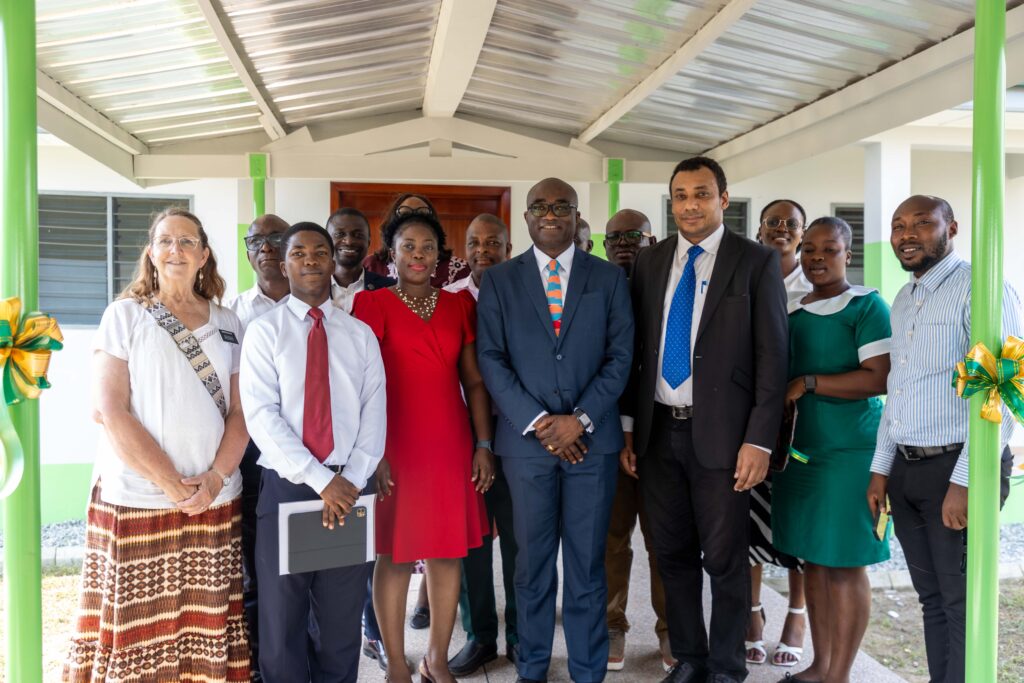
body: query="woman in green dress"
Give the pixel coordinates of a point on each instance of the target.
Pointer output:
(838, 361)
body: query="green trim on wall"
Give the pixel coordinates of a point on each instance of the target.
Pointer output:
(246, 277)
(882, 270)
(64, 492)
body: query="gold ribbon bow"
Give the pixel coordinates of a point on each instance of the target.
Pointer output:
(1002, 378)
(25, 348)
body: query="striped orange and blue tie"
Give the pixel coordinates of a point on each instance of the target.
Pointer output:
(554, 290)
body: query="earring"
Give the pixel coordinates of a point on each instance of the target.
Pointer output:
(156, 284)
(200, 278)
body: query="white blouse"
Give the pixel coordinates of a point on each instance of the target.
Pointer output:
(167, 398)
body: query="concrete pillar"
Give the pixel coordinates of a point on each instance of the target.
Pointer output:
(886, 184)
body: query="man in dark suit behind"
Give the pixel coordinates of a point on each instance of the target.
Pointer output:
(556, 375)
(706, 398)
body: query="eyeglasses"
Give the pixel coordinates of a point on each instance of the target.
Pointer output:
(628, 237)
(166, 243)
(560, 209)
(773, 222)
(254, 243)
(410, 211)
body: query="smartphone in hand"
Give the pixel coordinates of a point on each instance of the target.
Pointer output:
(882, 521)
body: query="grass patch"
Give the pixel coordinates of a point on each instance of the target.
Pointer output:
(898, 642)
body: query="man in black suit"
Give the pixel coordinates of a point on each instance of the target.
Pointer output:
(351, 234)
(706, 397)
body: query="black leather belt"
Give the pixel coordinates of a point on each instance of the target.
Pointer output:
(674, 412)
(915, 453)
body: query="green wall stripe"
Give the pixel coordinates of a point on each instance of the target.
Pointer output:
(64, 492)
(882, 270)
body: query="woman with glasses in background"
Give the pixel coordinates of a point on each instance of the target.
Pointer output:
(161, 595)
(450, 268)
(782, 229)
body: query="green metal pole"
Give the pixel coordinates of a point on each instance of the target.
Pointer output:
(19, 276)
(986, 326)
(258, 172)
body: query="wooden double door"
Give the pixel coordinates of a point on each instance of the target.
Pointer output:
(457, 206)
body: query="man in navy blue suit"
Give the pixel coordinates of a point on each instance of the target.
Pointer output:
(555, 343)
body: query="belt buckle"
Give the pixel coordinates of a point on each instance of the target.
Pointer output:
(681, 412)
(905, 452)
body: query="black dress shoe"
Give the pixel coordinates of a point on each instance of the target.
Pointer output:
(471, 657)
(684, 672)
(374, 649)
(420, 618)
(520, 679)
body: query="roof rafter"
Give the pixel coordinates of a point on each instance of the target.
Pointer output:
(63, 100)
(270, 119)
(697, 43)
(461, 29)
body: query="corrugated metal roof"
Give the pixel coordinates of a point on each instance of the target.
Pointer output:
(153, 67)
(326, 59)
(780, 55)
(558, 64)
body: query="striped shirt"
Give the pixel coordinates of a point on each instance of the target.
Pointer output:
(931, 332)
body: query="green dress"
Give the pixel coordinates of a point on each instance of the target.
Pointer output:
(819, 507)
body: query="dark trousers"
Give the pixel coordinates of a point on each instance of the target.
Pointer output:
(250, 473)
(309, 623)
(476, 601)
(554, 502)
(371, 629)
(694, 510)
(935, 555)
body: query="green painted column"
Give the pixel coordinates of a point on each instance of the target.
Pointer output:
(986, 326)
(614, 173)
(258, 172)
(19, 276)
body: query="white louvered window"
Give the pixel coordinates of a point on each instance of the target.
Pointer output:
(854, 215)
(736, 217)
(88, 247)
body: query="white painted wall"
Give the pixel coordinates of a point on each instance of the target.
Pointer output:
(68, 434)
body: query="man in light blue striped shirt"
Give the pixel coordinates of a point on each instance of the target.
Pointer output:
(921, 453)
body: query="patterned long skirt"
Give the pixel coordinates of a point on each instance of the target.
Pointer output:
(161, 597)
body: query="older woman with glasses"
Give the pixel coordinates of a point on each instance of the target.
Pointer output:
(449, 269)
(161, 595)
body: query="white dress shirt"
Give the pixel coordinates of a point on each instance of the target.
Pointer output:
(797, 283)
(272, 383)
(344, 297)
(683, 394)
(467, 284)
(250, 304)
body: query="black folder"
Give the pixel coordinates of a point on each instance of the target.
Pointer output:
(309, 546)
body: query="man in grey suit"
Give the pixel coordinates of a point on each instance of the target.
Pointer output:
(556, 373)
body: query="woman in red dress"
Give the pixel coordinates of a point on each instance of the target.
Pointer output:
(432, 478)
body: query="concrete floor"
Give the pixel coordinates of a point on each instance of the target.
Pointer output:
(643, 662)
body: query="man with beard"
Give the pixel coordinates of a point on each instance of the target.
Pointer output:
(487, 244)
(263, 247)
(921, 454)
(351, 234)
(625, 235)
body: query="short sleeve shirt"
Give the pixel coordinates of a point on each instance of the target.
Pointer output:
(167, 398)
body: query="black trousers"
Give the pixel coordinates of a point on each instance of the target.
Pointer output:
(694, 510)
(476, 601)
(935, 555)
(250, 473)
(309, 623)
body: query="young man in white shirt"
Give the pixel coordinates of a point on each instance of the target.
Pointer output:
(263, 247)
(312, 388)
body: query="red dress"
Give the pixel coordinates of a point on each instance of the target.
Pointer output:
(434, 510)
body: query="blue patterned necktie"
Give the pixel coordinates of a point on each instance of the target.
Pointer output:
(554, 293)
(675, 366)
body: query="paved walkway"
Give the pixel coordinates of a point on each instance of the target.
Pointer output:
(642, 660)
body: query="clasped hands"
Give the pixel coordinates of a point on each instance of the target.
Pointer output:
(561, 436)
(194, 495)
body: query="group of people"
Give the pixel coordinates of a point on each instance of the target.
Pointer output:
(551, 399)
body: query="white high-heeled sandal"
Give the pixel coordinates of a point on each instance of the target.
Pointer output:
(757, 645)
(796, 653)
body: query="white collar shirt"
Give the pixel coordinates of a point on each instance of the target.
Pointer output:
(564, 266)
(467, 284)
(344, 296)
(704, 266)
(250, 304)
(272, 387)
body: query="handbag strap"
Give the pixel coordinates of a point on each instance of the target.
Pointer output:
(189, 346)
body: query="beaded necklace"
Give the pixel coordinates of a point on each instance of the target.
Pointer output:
(423, 306)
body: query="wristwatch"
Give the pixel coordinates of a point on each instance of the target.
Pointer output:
(488, 444)
(584, 419)
(810, 384)
(224, 480)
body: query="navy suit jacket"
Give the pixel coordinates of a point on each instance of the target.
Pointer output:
(527, 369)
(372, 281)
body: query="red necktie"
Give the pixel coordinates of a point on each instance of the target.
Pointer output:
(317, 430)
